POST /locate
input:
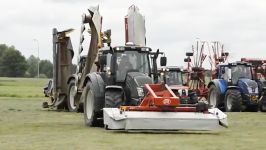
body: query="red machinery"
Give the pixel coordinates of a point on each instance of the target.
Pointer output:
(259, 67)
(161, 98)
(160, 109)
(199, 76)
(196, 71)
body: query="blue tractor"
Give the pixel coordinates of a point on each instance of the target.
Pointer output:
(234, 89)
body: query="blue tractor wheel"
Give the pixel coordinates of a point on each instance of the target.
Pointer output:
(233, 100)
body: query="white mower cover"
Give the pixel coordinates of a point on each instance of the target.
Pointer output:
(115, 119)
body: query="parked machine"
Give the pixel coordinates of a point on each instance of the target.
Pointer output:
(174, 76)
(63, 53)
(259, 73)
(235, 88)
(196, 71)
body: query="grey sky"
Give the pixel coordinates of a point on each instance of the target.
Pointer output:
(171, 25)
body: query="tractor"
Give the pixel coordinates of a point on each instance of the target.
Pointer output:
(174, 76)
(123, 71)
(259, 72)
(124, 94)
(234, 89)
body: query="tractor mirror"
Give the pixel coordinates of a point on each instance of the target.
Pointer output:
(225, 54)
(223, 70)
(102, 60)
(189, 54)
(187, 60)
(220, 59)
(163, 61)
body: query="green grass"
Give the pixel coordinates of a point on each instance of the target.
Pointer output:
(24, 125)
(22, 87)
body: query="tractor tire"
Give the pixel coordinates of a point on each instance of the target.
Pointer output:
(263, 108)
(113, 98)
(262, 104)
(60, 103)
(233, 101)
(214, 96)
(91, 111)
(72, 97)
(252, 108)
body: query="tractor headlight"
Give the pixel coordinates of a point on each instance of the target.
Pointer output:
(140, 91)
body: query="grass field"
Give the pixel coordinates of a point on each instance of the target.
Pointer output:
(24, 125)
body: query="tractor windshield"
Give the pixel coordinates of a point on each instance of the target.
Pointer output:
(173, 78)
(241, 71)
(131, 61)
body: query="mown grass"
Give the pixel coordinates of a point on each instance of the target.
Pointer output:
(22, 87)
(24, 125)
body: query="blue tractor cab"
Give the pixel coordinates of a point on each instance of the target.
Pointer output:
(234, 89)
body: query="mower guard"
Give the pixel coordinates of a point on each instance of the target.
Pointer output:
(117, 119)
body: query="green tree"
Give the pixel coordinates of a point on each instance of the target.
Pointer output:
(32, 70)
(46, 67)
(12, 62)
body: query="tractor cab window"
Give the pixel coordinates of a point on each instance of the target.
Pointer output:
(131, 61)
(225, 73)
(173, 78)
(240, 71)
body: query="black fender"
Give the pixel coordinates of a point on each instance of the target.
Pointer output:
(73, 77)
(98, 88)
(114, 87)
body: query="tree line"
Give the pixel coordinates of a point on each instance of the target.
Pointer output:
(14, 64)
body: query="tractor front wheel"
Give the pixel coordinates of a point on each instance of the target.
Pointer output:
(233, 100)
(113, 98)
(91, 113)
(214, 96)
(262, 103)
(72, 97)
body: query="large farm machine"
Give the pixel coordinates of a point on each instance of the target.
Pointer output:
(233, 87)
(197, 75)
(259, 74)
(118, 87)
(62, 64)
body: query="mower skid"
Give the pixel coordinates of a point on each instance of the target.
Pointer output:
(116, 119)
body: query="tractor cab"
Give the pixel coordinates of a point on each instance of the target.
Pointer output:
(173, 77)
(233, 72)
(128, 68)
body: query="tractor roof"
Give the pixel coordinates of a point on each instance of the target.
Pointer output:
(132, 48)
(235, 63)
(172, 68)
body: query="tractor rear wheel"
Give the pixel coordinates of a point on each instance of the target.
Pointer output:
(233, 100)
(113, 98)
(214, 96)
(91, 112)
(262, 103)
(72, 97)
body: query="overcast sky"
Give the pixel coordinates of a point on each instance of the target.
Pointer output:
(171, 25)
